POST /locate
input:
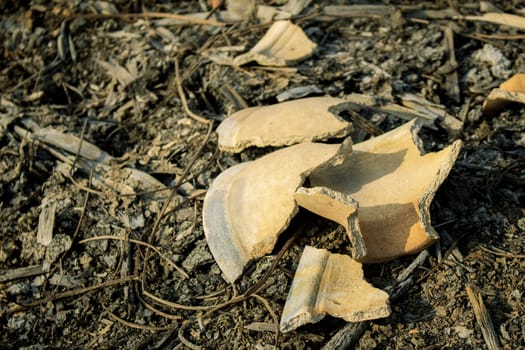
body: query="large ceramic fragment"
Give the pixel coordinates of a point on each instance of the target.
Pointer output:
(338, 207)
(250, 204)
(512, 90)
(282, 124)
(394, 185)
(283, 44)
(333, 284)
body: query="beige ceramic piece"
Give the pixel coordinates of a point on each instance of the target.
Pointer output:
(250, 204)
(393, 184)
(282, 124)
(338, 207)
(283, 44)
(333, 284)
(512, 90)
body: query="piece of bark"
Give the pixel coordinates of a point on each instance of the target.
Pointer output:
(451, 77)
(500, 18)
(393, 184)
(283, 44)
(447, 13)
(299, 92)
(351, 11)
(333, 284)
(282, 124)
(22, 272)
(250, 204)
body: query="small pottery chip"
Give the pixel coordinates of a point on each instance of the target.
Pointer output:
(283, 44)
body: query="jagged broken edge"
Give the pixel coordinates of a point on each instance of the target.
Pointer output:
(216, 216)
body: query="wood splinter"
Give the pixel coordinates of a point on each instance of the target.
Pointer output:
(483, 318)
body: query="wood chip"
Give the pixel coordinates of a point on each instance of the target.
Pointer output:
(500, 18)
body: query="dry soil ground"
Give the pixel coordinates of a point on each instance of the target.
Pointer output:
(87, 68)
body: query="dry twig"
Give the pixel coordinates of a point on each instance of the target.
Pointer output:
(273, 314)
(135, 325)
(501, 252)
(136, 241)
(70, 293)
(184, 18)
(483, 318)
(186, 341)
(22, 272)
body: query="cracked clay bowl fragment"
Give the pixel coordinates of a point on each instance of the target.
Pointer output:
(282, 124)
(333, 284)
(250, 204)
(283, 44)
(381, 194)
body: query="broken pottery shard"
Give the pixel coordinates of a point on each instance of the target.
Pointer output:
(393, 184)
(336, 206)
(282, 124)
(283, 44)
(512, 90)
(250, 204)
(292, 8)
(333, 284)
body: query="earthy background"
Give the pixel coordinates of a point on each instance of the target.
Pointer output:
(88, 68)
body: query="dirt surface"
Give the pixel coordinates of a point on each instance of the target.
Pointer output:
(110, 79)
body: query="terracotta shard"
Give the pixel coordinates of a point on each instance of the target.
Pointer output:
(333, 284)
(250, 204)
(335, 206)
(282, 124)
(512, 90)
(283, 44)
(394, 185)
